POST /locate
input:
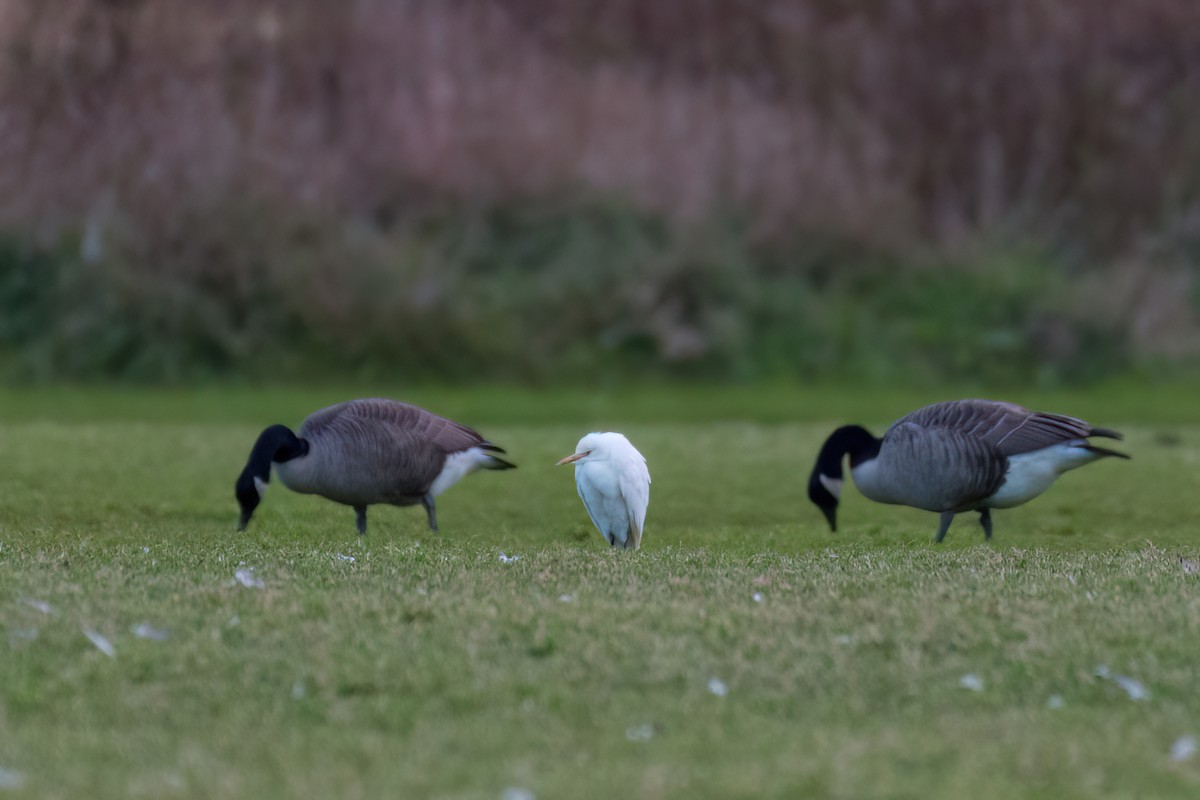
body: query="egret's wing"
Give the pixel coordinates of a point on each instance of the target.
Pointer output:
(634, 484)
(591, 498)
(599, 488)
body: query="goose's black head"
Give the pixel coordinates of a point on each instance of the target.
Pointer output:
(276, 444)
(249, 495)
(825, 483)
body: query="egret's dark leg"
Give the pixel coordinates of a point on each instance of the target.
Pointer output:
(985, 519)
(944, 525)
(427, 501)
(360, 519)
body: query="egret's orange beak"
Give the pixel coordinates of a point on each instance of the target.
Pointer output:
(573, 458)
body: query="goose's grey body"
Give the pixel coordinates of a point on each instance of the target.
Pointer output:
(962, 455)
(364, 452)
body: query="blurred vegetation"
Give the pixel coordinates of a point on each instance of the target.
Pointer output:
(531, 191)
(555, 295)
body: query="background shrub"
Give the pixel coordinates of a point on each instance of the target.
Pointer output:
(534, 190)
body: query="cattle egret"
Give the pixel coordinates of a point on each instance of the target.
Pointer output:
(364, 452)
(614, 484)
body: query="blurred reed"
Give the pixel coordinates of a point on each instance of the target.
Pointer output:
(530, 188)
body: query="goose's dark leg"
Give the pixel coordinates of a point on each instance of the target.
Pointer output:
(427, 501)
(944, 525)
(360, 519)
(985, 519)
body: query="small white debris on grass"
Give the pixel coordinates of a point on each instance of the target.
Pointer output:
(145, 549)
(40, 605)
(845, 638)
(1190, 566)
(18, 635)
(1055, 702)
(757, 597)
(717, 687)
(1183, 748)
(346, 558)
(144, 630)
(517, 793)
(102, 644)
(566, 598)
(246, 577)
(1131, 686)
(640, 733)
(298, 690)
(971, 681)
(508, 559)
(1134, 688)
(11, 779)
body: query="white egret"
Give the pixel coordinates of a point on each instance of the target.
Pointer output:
(614, 484)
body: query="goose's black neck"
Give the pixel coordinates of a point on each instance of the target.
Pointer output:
(276, 444)
(825, 483)
(849, 440)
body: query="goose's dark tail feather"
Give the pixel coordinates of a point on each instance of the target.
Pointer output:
(498, 463)
(1104, 451)
(1107, 433)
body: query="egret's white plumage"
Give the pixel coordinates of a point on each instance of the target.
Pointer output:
(614, 484)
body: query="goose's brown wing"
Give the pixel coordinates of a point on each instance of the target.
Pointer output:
(1008, 427)
(400, 445)
(399, 419)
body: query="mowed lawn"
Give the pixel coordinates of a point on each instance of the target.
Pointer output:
(745, 651)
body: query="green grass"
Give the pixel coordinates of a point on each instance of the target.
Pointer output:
(426, 667)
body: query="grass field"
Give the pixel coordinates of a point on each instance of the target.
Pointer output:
(744, 652)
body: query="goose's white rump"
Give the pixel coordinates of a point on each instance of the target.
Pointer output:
(614, 483)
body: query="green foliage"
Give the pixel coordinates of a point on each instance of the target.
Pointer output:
(1006, 319)
(426, 667)
(551, 294)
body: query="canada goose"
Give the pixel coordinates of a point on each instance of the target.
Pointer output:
(962, 455)
(614, 484)
(363, 452)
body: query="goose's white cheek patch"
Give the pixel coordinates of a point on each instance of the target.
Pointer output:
(832, 485)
